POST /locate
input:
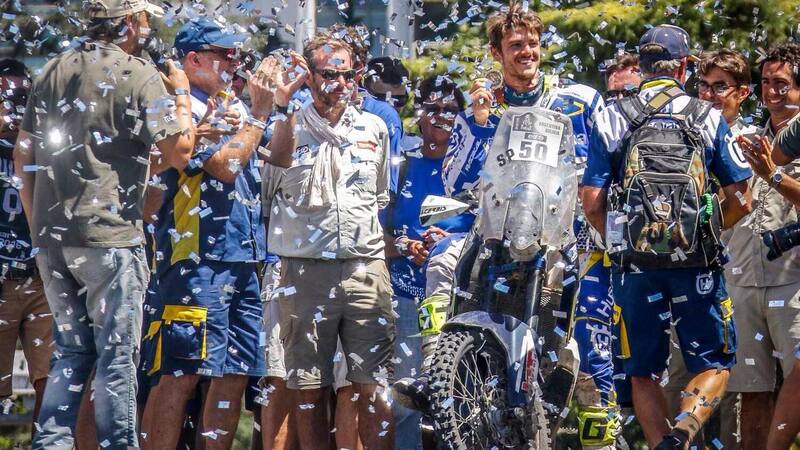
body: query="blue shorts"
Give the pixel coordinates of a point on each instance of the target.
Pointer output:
(210, 322)
(694, 300)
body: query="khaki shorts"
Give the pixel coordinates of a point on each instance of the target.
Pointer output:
(275, 354)
(768, 329)
(24, 314)
(322, 300)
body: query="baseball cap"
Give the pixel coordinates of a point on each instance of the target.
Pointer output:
(109, 9)
(202, 33)
(673, 40)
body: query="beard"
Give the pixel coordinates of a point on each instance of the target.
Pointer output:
(331, 100)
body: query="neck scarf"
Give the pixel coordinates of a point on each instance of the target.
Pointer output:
(319, 189)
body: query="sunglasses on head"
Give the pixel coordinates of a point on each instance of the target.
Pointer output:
(332, 74)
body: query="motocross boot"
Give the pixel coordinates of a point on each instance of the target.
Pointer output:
(413, 393)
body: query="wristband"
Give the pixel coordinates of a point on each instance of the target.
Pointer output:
(401, 243)
(181, 91)
(282, 109)
(256, 123)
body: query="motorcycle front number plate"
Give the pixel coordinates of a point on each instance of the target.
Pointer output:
(536, 139)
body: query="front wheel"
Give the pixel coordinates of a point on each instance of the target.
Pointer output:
(468, 397)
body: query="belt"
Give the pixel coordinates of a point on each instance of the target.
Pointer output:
(16, 274)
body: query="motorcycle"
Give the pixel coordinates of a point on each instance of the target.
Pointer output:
(505, 365)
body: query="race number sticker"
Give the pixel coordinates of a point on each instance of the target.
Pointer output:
(535, 138)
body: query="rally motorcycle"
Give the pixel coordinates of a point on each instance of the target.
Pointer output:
(505, 366)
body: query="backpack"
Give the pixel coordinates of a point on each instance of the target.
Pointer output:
(664, 213)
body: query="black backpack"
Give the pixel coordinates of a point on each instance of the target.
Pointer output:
(664, 212)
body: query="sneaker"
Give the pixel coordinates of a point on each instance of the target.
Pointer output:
(413, 393)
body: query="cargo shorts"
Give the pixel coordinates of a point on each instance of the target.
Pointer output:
(768, 322)
(322, 300)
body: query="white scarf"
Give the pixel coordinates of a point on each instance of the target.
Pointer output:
(319, 189)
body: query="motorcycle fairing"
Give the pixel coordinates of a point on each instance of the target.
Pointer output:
(529, 171)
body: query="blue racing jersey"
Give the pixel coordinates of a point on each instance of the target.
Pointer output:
(470, 141)
(724, 157)
(203, 218)
(422, 177)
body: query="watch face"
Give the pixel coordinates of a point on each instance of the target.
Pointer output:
(777, 178)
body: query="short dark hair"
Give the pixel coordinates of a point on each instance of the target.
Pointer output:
(516, 17)
(321, 40)
(387, 69)
(13, 68)
(439, 86)
(726, 60)
(621, 62)
(786, 52)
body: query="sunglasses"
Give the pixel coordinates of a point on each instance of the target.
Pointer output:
(621, 93)
(225, 53)
(718, 88)
(332, 74)
(437, 110)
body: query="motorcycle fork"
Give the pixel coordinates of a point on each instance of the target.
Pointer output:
(532, 292)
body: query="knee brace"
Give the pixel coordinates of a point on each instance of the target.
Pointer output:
(598, 425)
(433, 314)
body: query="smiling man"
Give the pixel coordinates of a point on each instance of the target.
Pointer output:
(766, 294)
(515, 43)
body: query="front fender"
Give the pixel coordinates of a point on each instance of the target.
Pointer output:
(518, 341)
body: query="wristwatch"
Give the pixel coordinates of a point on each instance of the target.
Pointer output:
(776, 177)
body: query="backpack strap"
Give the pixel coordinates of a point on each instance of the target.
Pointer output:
(636, 112)
(699, 112)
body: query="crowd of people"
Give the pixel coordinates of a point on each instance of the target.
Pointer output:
(187, 239)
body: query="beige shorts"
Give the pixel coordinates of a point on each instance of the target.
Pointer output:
(24, 314)
(324, 301)
(767, 330)
(275, 365)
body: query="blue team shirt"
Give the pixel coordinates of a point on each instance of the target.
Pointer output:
(725, 159)
(203, 218)
(470, 142)
(394, 124)
(423, 178)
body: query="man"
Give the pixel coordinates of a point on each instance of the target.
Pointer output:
(786, 421)
(622, 77)
(387, 80)
(83, 157)
(514, 42)
(770, 302)
(724, 81)
(439, 102)
(324, 225)
(655, 290)
(209, 238)
(757, 285)
(23, 306)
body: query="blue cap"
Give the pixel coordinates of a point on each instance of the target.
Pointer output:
(202, 33)
(673, 40)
